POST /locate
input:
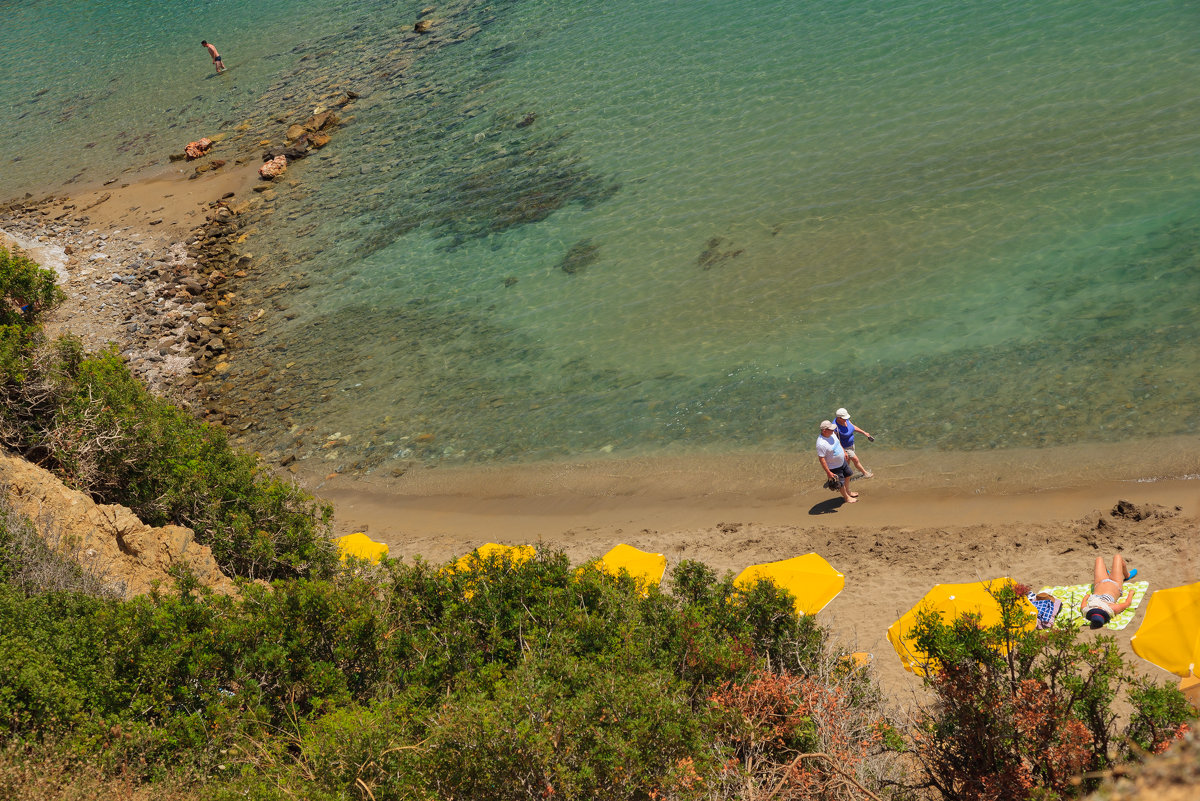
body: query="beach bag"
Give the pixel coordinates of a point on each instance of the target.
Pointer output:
(1047, 607)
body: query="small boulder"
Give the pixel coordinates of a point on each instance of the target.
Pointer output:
(273, 168)
(195, 150)
(321, 121)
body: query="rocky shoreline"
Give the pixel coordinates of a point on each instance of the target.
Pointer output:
(153, 265)
(163, 303)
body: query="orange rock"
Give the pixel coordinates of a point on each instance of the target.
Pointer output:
(195, 150)
(130, 556)
(273, 168)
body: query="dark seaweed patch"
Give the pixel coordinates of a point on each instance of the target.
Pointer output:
(582, 254)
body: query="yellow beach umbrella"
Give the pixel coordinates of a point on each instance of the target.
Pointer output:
(1170, 632)
(950, 601)
(647, 568)
(361, 546)
(809, 578)
(517, 554)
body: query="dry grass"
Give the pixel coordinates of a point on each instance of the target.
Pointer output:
(41, 774)
(44, 559)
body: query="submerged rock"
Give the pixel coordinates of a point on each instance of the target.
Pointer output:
(712, 255)
(581, 254)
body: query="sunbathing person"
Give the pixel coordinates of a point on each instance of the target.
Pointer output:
(1103, 604)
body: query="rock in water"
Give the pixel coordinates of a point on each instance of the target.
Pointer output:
(273, 168)
(581, 254)
(195, 150)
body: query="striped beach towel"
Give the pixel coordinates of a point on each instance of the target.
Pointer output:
(1073, 594)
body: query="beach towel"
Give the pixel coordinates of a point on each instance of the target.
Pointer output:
(1073, 595)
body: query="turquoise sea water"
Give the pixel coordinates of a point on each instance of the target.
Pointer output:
(619, 227)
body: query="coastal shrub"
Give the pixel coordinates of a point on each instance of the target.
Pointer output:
(1018, 713)
(26, 290)
(47, 660)
(169, 467)
(569, 726)
(1161, 715)
(87, 418)
(815, 735)
(500, 680)
(722, 630)
(16, 344)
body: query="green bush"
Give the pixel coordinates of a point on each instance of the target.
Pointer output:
(49, 661)
(86, 417)
(502, 680)
(169, 467)
(1018, 713)
(26, 290)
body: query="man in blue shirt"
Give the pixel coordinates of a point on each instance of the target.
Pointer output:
(845, 434)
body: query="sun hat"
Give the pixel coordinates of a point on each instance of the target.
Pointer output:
(842, 413)
(1096, 618)
(827, 426)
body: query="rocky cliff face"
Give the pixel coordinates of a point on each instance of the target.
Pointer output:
(107, 539)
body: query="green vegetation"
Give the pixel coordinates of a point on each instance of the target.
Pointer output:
(546, 680)
(27, 290)
(1020, 713)
(85, 417)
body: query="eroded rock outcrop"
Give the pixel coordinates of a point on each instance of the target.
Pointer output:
(109, 539)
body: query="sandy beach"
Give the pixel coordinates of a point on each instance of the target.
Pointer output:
(897, 542)
(1039, 516)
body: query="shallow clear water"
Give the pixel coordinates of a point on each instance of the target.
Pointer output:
(631, 227)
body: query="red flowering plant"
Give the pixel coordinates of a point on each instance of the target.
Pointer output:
(812, 737)
(1019, 713)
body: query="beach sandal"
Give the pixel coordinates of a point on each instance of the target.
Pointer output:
(1132, 573)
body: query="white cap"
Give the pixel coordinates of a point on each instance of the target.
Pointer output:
(827, 426)
(842, 413)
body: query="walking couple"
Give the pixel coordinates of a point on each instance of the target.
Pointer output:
(835, 451)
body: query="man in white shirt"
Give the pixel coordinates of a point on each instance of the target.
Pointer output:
(832, 456)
